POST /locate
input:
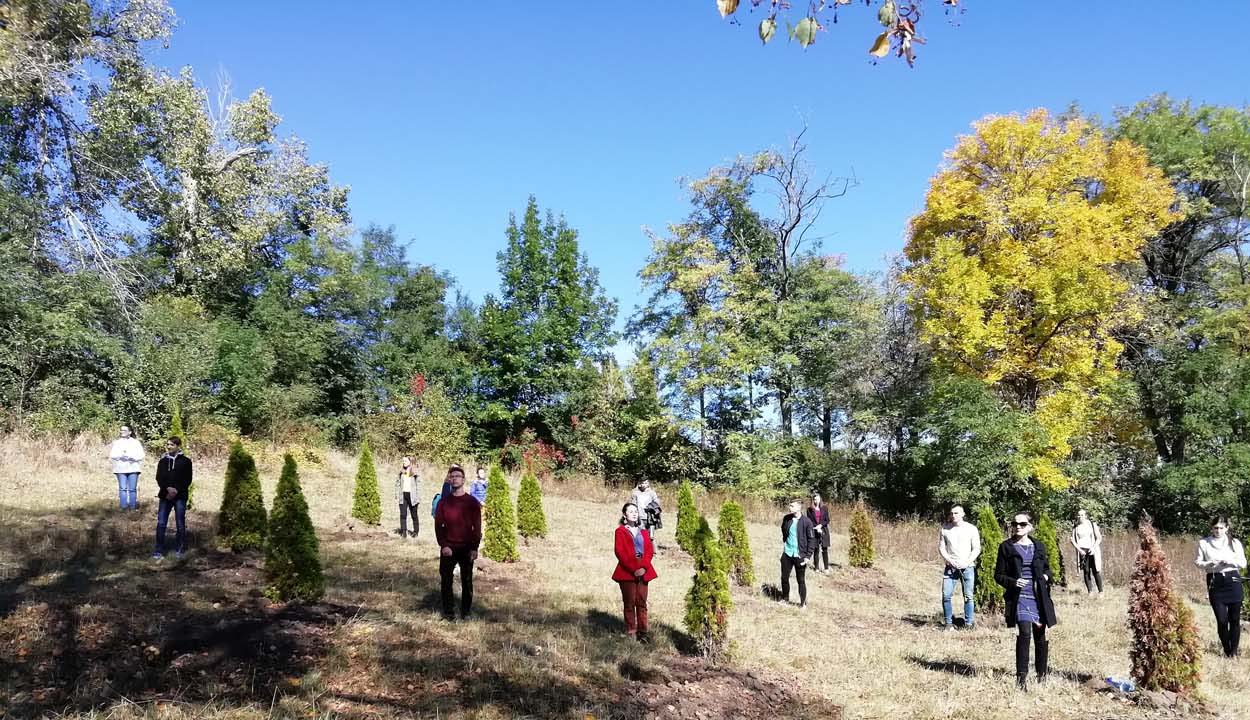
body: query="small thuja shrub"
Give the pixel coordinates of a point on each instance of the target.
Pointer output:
(499, 531)
(530, 519)
(292, 554)
(367, 501)
(734, 543)
(987, 594)
(861, 552)
(687, 517)
(242, 523)
(708, 602)
(1164, 651)
(1048, 535)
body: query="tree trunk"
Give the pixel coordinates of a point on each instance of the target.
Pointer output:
(787, 411)
(826, 429)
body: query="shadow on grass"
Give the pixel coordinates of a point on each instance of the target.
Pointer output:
(956, 667)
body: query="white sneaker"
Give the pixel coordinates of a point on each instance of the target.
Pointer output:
(455, 570)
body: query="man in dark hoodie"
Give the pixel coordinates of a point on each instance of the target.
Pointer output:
(796, 548)
(173, 478)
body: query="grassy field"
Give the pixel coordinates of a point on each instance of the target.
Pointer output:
(89, 627)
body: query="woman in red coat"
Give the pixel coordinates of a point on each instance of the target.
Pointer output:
(633, 570)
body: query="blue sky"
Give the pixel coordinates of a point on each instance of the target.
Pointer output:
(444, 117)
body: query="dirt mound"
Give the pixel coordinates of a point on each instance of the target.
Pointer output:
(686, 687)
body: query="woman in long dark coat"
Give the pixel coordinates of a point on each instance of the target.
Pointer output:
(818, 513)
(1023, 570)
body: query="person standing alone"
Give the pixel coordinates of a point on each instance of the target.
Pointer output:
(127, 455)
(1087, 539)
(1222, 557)
(406, 493)
(1023, 571)
(959, 544)
(173, 478)
(634, 551)
(458, 529)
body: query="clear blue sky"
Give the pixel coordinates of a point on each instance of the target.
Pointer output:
(444, 117)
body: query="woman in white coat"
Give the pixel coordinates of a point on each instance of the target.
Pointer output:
(127, 455)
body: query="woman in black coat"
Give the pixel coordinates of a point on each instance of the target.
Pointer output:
(818, 513)
(1023, 570)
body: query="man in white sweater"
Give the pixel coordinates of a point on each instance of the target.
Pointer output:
(959, 544)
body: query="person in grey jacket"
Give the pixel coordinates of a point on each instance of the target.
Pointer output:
(406, 494)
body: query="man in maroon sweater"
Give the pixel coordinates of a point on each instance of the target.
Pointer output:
(458, 528)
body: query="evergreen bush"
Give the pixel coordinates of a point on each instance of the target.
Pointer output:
(499, 531)
(708, 602)
(242, 523)
(366, 500)
(530, 519)
(735, 544)
(861, 551)
(1048, 535)
(687, 518)
(292, 554)
(1164, 652)
(987, 594)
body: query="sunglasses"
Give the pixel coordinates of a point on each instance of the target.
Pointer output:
(1025, 523)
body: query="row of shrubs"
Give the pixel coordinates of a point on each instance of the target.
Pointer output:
(501, 524)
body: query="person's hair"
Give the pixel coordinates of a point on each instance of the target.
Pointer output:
(454, 468)
(953, 508)
(625, 507)
(176, 440)
(793, 501)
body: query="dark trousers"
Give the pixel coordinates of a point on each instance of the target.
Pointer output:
(405, 507)
(179, 507)
(446, 566)
(821, 553)
(1228, 623)
(800, 572)
(634, 597)
(1090, 572)
(1040, 645)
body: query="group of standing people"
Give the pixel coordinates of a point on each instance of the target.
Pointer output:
(804, 540)
(174, 474)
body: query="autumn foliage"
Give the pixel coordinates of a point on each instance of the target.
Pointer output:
(1164, 651)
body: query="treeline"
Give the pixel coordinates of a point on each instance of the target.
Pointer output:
(1066, 326)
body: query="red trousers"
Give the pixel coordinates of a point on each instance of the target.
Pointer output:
(634, 597)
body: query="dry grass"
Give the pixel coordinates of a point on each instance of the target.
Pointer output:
(547, 644)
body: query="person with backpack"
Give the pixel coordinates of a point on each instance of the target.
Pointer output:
(1023, 570)
(1222, 557)
(648, 503)
(127, 456)
(634, 570)
(458, 529)
(1086, 539)
(407, 486)
(796, 547)
(173, 480)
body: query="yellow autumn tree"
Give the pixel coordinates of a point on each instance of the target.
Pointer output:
(1018, 262)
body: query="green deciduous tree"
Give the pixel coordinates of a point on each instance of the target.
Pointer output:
(499, 520)
(531, 520)
(708, 602)
(735, 544)
(292, 554)
(366, 499)
(242, 523)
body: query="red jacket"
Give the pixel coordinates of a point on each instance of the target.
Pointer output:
(626, 560)
(458, 522)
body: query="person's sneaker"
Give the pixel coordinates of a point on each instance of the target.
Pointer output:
(157, 556)
(949, 628)
(455, 570)
(178, 555)
(970, 626)
(803, 607)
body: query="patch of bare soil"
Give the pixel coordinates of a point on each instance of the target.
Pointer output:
(862, 580)
(687, 687)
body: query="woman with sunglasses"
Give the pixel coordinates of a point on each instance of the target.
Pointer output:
(1222, 557)
(1024, 572)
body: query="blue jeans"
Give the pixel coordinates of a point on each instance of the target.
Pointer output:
(179, 507)
(950, 576)
(127, 490)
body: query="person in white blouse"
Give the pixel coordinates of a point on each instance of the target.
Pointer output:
(1222, 557)
(1087, 539)
(127, 456)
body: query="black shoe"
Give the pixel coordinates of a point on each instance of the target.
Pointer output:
(1022, 681)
